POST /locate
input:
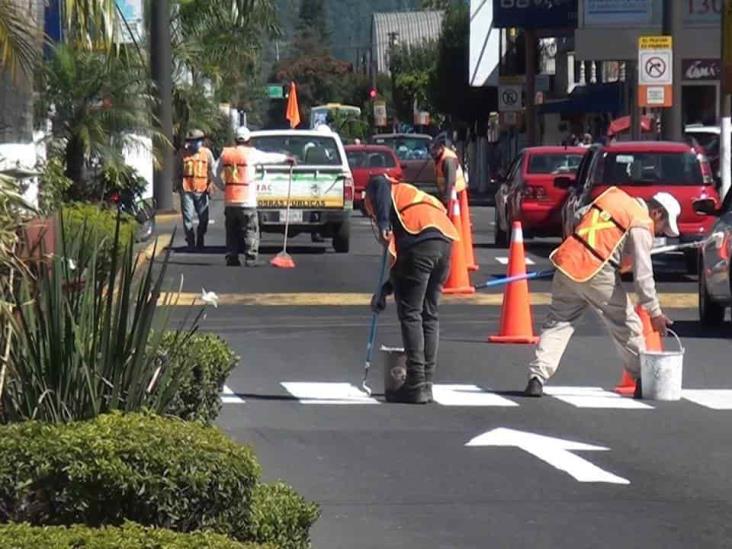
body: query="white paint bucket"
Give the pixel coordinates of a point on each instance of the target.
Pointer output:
(661, 373)
(394, 364)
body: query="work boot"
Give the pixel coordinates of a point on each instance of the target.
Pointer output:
(428, 385)
(534, 388)
(200, 241)
(408, 394)
(232, 261)
(252, 262)
(638, 393)
(190, 241)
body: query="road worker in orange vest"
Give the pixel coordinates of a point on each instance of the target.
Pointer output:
(193, 180)
(235, 174)
(614, 234)
(448, 170)
(418, 234)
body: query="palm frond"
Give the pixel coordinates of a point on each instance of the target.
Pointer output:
(91, 24)
(19, 39)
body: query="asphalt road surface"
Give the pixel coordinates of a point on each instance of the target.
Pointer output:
(482, 467)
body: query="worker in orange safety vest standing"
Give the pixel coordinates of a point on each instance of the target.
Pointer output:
(418, 234)
(614, 233)
(235, 174)
(448, 170)
(193, 180)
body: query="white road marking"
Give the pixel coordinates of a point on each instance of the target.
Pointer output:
(716, 399)
(230, 397)
(554, 451)
(327, 393)
(467, 395)
(594, 397)
(504, 261)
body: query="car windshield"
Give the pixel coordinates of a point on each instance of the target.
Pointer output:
(407, 148)
(649, 168)
(370, 159)
(308, 149)
(554, 163)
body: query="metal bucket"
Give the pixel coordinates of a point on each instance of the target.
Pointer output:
(662, 372)
(394, 363)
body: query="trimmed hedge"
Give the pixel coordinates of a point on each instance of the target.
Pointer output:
(208, 360)
(129, 536)
(152, 470)
(281, 516)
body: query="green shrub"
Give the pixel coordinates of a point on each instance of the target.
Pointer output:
(155, 471)
(95, 226)
(208, 360)
(281, 516)
(129, 536)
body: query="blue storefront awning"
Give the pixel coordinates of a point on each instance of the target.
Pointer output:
(592, 98)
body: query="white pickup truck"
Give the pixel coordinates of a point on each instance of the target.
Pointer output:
(321, 200)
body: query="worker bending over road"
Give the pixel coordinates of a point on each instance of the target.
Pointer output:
(613, 233)
(235, 174)
(418, 234)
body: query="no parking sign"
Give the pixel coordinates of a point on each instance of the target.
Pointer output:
(655, 71)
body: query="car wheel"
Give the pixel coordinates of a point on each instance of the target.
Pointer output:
(342, 238)
(145, 230)
(710, 312)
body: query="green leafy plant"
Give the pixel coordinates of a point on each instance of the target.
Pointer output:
(53, 185)
(128, 536)
(208, 360)
(281, 516)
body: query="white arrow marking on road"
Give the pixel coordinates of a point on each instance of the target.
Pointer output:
(504, 261)
(554, 451)
(230, 397)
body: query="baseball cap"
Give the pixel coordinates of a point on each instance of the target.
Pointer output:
(243, 134)
(673, 209)
(194, 135)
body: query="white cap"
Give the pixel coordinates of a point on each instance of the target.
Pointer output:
(243, 134)
(323, 128)
(673, 209)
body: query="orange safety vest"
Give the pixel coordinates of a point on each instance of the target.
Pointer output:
(417, 211)
(235, 161)
(460, 183)
(599, 234)
(195, 171)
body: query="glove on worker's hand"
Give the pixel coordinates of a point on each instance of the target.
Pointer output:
(378, 300)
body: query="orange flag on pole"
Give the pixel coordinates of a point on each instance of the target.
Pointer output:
(293, 111)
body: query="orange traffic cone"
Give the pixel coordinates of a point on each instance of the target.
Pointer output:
(458, 281)
(466, 232)
(653, 343)
(516, 321)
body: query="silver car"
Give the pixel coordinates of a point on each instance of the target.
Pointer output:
(715, 278)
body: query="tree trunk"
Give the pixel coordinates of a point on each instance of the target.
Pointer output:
(16, 93)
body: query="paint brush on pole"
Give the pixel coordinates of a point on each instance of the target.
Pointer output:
(372, 329)
(283, 260)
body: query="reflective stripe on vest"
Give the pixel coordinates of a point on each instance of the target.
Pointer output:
(195, 171)
(460, 184)
(418, 211)
(235, 161)
(599, 233)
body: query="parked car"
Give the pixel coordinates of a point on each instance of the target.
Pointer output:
(642, 169)
(413, 151)
(321, 201)
(715, 274)
(528, 193)
(708, 137)
(366, 161)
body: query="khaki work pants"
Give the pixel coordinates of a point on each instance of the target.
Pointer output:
(605, 294)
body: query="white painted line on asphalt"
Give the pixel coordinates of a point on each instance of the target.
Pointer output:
(554, 451)
(716, 399)
(467, 395)
(594, 397)
(504, 261)
(230, 397)
(327, 393)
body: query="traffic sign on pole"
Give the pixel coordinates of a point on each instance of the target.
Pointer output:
(510, 98)
(655, 71)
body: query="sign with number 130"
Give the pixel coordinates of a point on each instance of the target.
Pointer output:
(700, 13)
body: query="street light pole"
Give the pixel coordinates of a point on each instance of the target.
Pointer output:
(671, 117)
(161, 61)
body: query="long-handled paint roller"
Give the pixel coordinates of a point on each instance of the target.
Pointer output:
(372, 329)
(283, 260)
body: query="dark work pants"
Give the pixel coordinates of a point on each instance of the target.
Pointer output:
(242, 226)
(418, 277)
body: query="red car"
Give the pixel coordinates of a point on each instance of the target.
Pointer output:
(366, 161)
(528, 193)
(642, 169)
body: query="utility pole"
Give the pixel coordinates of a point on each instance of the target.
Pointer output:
(631, 74)
(161, 62)
(530, 48)
(725, 164)
(671, 117)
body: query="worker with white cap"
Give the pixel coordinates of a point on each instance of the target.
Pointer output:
(235, 174)
(614, 234)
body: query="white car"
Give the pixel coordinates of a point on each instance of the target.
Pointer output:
(708, 138)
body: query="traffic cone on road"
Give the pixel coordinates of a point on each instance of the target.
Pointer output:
(458, 281)
(516, 321)
(653, 343)
(466, 231)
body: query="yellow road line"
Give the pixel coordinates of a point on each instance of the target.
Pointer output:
(669, 301)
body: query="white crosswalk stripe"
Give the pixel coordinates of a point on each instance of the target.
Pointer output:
(230, 397)
(594, 397)
(504, 261)
(327, 393)
(467, 395)
(716, 399)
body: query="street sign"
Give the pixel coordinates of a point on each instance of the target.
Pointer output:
(727, 48)
(275, 91)
(510, 98)
(655, 71)
(380, 114)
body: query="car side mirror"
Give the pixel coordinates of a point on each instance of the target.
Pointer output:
(705, 206)
(563, 182)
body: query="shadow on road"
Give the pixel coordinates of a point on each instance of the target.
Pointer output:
(695, 329)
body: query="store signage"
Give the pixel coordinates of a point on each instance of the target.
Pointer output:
(702, 13)
(701, 69)
(380, 114)
(534, 14)
(655, 71)
(618, 12)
